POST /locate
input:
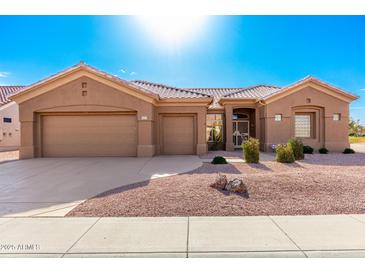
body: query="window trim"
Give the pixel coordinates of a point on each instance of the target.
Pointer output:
(338, 115)
(311, 125)
(7, 120)
(278, 115)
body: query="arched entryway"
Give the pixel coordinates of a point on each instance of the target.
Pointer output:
(243, 125)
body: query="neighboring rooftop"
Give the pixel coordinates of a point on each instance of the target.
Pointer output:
(7, 91)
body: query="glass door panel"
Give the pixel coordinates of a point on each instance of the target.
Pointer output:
(240, 132)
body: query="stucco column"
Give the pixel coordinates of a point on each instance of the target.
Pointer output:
(201, 146)
(229, 127)
(145, 145)
(257, 123)
(26, 149)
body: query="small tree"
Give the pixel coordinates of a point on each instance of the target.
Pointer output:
(251, 151)
(355, 128)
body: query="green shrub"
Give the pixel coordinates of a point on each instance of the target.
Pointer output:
(297, 147)
(348, 151)
(251, 152)
(308, 150)
(284, 154)
(323, 150)
(219, 160)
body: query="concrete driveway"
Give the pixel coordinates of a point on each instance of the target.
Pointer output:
(54, 186)
(358, 147)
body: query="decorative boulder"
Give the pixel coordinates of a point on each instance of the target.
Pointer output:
(236, 185)
(220, 182)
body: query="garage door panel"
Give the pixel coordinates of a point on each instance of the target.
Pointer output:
(178, 135)
(89, 135)
(64, 150)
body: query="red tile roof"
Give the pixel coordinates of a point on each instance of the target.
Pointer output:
(165, 91)
(259, 92)
(7, 91)
(216, 93)
(254, 92)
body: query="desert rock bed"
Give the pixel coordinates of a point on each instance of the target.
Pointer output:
(320, 184)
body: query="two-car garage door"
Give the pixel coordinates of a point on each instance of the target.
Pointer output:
(82, 135)
(89, 135)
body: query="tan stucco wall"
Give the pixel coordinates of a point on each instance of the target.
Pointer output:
(103, 98)
(9, 132)
(331, 134)
(68, 98)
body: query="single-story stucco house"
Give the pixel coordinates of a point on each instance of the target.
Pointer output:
(83, 111)
(9, 119)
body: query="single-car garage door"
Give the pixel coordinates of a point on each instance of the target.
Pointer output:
(178, 135)
(89, 135)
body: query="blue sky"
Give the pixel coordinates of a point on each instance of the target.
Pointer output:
(220, 51)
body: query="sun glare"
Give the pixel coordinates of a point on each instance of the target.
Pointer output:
(172, 30)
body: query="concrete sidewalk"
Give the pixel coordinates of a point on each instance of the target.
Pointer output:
(261, 236)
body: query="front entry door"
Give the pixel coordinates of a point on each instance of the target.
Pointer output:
(241, 132)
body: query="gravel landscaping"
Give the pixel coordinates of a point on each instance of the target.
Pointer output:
(320, 184)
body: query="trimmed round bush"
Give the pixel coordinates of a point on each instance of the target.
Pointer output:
(284, 154)
(297, 147)
(219, 160)
(251, 151)
(308, 150)
(323, 150)
(348, 151)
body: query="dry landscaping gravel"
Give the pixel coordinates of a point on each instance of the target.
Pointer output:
(320, 184)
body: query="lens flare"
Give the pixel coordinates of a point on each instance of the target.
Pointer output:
(172, 30)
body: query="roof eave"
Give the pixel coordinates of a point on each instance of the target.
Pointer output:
(7, 104)
(46, 81)
(225, 101)
(79, 68)
(312, 82)
(204, 101)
